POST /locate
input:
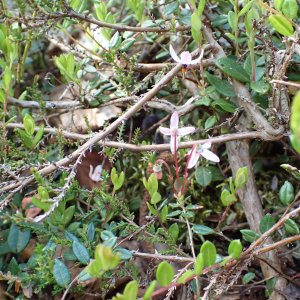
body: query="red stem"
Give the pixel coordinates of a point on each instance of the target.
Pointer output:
(170, 174)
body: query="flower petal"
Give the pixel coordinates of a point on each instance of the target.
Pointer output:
(174, 55)
(91, 172)
(185, 130)
(165, 131)
(174, 120)
(194, 158)
(197, 60)
(210, 155)
(186, 58)
(98, 169)
(172, 144)
(206, 145)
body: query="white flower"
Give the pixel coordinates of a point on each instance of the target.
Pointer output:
(174, 128)
(96, 176)
(185, 58)
(201, 150)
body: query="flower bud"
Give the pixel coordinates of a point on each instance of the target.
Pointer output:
(157, 172)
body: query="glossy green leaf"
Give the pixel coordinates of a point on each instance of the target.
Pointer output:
(153, 210)
(115, 40)
(13, 267)
(252, 14)
(291, 227)
(41, 203)
(278, 4)
(241, 177)
(222, 86)
(295, 142)
(124, 253)
(232, 68)
(120, 181)
(228, 200)
(199, 264)
(170, 8)
(203, 176)
(203, 101)
(90, 233)
(164, 274)
(174, 231)
(196, 22)
(260, 86)
(164, 213)
(18, 238)
(131, 290)
(29, 124)
(286, 193)
(290, 8)
(245, 8)
(110, 243)
(201, 6)
(61, 273)
(248, 277)
(68, 214)
(210, 122)
(202, 229)
(231, 19)
(187, 274)
(7, 77)
(209, 252)
(81, 252)
(249, 235)
(155, 198)
(270, 283)
(226, 105)
(235, 249)
(282, 25)
(266, 223)
(295, 116)
(127, 44)
(39, 135)
(149, 291)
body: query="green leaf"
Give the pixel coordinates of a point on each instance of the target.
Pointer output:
(202, 229)
(183, 278)
(282, 25)
(235, 249)
(260, 86)
(164, 274)
(290, 8)
(131, 290)
(155, 198)
(199, 264)
(170, 8)
(124, 253)
(248, 277)
(196, 22)
(149, 291)
(39, 135)
(225, 193)
(152, 209)
(266, 223)
(291, 227)
(174, 231)
(115, 40)
(13, 267)
(7, 77)
(152, 184)
(18, 238)
(226, 105)
(295, 116)
(209, 252)
(278, 4)
(41, 203)
(90, 233)
(164, 213)
(29, 124)
(232, 68)
(203, 176)
(270, 283)
(61, 273)
(249, 235)
(2, 96)
(210, 122)
(203, 101)
(222, 86)
(231, 19)
(81, 252)
(127, 44)
(70, 256)
(68, 215)
(245, 8)
(252, 14)
(241, 177)
(110, 243)
(295, 142)
(286, 193)
(28, 140)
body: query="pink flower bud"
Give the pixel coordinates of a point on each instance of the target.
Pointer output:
(157, 172)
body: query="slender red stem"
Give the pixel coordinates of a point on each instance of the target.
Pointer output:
(170, 174)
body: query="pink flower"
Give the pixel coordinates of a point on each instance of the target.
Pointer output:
(157, 172)
(201, 150)
(185, 58)
(96, 176)
(174, 129)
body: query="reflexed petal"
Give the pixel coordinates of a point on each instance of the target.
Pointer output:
(98, 169)
(185, 130)
(210, 155)
(207, 145)
(172, 144)
(165, 131)
(186, 58)
(91, 171)
(197, 60)
(174, 55)
(174, 120)
(194, 158)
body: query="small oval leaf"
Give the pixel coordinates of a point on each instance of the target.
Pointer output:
(164, 274)
(209, 252)
(61, 273)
